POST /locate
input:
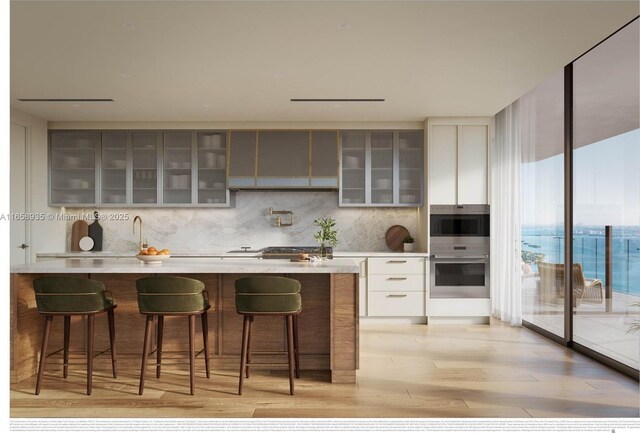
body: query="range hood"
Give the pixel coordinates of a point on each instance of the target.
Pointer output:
(283, 160)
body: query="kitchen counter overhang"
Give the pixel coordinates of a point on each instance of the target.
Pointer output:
(328, 322)
(187, 265)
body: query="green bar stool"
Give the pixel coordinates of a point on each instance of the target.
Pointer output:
(269, 296)
(72, 296)
(172, 296)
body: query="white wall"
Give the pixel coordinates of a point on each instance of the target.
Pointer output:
(44, 235)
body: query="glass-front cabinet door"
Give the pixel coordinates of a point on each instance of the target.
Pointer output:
(353, 159)
(381, 168)
(72, 167)
(144, 167)
(212, 167)
(177, 168)
(113, 168)
(410, 167)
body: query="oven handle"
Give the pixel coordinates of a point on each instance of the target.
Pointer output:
(436, 257)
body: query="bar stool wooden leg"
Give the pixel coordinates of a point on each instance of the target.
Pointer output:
(145, 352)
(67, 332)
(112, 342)
(192, 354)
(289, 320)
(243, 354)
(160, 332)
(295, 345)
(90, 318)
(250, 326)
(43, 350)
(205, 337)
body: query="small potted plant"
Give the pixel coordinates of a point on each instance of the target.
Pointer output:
(407, 245)
(327, 234)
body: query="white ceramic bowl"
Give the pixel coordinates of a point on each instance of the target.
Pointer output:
(153, 260)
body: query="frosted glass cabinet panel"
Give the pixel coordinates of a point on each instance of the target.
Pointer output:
(141, 168)
(381, 168)
(410, 144)
(212, 167)
(144, 157)
(113, 167)
(353, 159)
(177, 171)
(72, 167)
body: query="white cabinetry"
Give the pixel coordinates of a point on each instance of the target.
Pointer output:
(458, 160)
(396, 287)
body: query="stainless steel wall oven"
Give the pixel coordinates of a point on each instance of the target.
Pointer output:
(459, 246)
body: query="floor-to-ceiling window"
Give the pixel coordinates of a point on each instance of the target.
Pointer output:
(597, 139)
(542, 203)
(606, 197)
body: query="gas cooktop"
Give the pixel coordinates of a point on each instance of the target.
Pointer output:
(292, 252)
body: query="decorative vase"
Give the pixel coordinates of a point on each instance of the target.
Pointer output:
(323, 250)
(407, 248)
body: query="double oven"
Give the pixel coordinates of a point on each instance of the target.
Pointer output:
(459, 246)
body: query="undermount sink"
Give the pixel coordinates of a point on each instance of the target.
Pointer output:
(246, 251)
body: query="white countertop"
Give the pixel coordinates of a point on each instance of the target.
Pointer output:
(214, 254)
(111, 265)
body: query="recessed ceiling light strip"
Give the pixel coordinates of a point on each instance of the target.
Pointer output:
(337, 100)
(62, 100)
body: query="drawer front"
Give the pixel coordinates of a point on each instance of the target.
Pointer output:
(402, 266)
(398, 304)
(396, 283)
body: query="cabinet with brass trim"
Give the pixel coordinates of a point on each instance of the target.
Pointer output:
(283, 159)
(142, 168)
(381, 168)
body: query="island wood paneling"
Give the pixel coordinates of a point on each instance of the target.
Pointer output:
(328, 332)
(344, 328)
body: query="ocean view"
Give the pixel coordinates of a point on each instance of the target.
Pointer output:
(589, 250)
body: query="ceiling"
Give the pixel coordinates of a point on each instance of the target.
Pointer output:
(244, 61)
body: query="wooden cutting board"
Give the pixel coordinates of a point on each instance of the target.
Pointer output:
(395, 236)
(79, 229)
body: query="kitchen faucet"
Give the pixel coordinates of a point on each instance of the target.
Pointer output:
(141, 245)
(278, 220)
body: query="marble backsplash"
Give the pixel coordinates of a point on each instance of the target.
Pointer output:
(249, 224)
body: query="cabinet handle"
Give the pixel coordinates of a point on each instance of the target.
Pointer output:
(396, 261)
(396, 296)
(396, 278)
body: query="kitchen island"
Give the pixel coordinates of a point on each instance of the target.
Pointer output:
(328, 324)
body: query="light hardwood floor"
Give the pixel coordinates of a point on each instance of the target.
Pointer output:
(405, 371)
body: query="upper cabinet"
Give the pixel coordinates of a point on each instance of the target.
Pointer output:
(381, 168)
(324, 159)
(212, 168)
(458, 160)
(138, 168)
(113, 168)
(177, 168)
(145, 167)
(73, 163)
(283, 159)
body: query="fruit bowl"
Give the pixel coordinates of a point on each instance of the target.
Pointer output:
(153, 260)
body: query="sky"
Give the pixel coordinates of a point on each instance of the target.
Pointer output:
(606, 185)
